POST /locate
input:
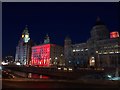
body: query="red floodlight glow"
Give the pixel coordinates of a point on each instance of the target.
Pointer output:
(114, 34)
(41, 55)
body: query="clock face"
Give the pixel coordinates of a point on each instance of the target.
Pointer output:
(26, 36)
(22, 36)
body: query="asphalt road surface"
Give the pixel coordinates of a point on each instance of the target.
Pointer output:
(36, 84)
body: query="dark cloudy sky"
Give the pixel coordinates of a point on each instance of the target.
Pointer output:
(56, 19)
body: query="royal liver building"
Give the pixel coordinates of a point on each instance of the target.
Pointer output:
(100, 50)
(23, 49)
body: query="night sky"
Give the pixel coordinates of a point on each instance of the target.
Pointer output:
(57, 19)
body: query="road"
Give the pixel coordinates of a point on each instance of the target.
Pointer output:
(37, 83)
(21, 83)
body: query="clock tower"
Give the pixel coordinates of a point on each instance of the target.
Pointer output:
(25, 35)
(23, 49)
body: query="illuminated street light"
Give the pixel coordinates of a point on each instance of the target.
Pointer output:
(55, 57)
(93, 61)
(109, 76)
(17, 63)
(70, 69)
(59, 68)
(3, 63)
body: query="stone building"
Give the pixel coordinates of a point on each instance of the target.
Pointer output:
(47, 54)
(99, 50)
(23, 49)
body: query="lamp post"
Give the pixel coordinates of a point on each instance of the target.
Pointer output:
(117, 68)
(98, 58)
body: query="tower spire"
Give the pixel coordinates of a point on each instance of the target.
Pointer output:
(98, 21)
(47, 39)
(25, 34)
(98, 18)
(26, 27)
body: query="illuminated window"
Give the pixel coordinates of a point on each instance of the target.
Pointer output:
(111, 52)
(96, 51)
(55, 57)
(73, 50)
(61, 54)
(82, 50)
(92, 61)
(42, 55)
(54, 63)
(65, 69)
(77, 50)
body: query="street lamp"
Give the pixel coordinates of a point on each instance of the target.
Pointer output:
(98, 58)
(117, 68)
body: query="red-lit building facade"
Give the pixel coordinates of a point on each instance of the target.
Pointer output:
(47, 55)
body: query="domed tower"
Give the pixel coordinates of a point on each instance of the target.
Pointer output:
(68, 41)
(99, 31)
(47, 39)
(23, 49)
(68, 51)
(25, 35)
